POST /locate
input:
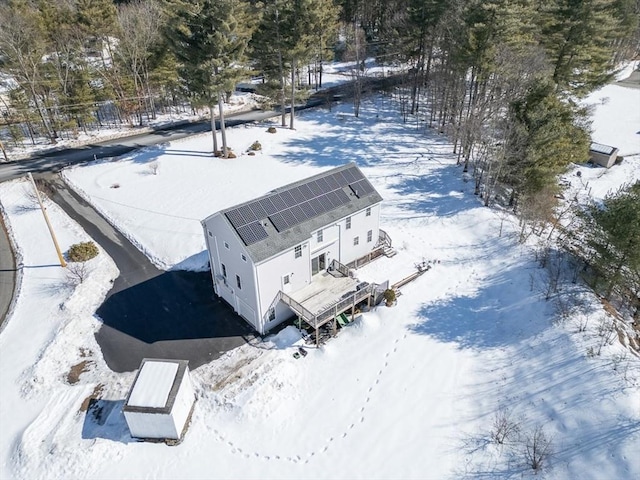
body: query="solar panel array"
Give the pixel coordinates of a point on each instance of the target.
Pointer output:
(297, 204)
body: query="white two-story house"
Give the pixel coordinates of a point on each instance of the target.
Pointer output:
(285, 239)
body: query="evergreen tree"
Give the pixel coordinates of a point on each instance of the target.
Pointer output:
(613, 234)
(209, 39)
(579, 37)
(549, 134)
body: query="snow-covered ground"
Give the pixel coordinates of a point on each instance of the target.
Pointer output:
(333, 74)
(405, 392)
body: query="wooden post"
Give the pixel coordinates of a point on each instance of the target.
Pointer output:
(353, 309)
(46, 219)
(317, 335)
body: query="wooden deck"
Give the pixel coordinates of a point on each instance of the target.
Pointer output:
(324, 291)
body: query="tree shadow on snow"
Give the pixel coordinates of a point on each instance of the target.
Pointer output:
(503, 312)
(442, 192)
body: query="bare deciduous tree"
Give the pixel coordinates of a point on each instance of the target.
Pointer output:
(77, 272)
(537, 448)
(504, 428)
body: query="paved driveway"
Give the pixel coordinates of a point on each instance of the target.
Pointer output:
(151, 313)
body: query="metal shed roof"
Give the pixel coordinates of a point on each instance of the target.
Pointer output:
(287, 216)
(156, 384)
(600, 148)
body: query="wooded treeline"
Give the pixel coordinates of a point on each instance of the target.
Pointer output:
(501, 78)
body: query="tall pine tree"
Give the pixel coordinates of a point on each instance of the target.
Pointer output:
(209, 39)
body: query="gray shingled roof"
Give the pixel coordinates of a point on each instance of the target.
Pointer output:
(266, 234)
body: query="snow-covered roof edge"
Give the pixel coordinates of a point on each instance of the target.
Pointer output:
(183, 366)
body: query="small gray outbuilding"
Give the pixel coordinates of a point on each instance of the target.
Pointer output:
(603, 155)
(160, 400)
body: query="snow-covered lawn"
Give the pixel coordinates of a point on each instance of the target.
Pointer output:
(406, 392)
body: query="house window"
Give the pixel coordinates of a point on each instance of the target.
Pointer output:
(369, 236)
(348, 222)
(298, 251)
(285, 279)
(320, 236)
(368, 212)
(356, 240)
(226, 245)
(244, 258)
(210, 234)
(224, 270)
(272, 314)
(238, 282)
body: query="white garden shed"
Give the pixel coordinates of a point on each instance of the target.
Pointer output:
(160, 400)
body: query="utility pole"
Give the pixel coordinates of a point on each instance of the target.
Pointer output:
(46, 219)
(4, 152)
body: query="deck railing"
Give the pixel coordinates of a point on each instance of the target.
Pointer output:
(384, 240)
(336, 266)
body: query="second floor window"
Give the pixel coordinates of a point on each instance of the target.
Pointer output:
(224, 270)
(369, 236)
(368, 212)
(320, 236)
(298, 251)
(238, 282)
(356, 240)
(348, 223)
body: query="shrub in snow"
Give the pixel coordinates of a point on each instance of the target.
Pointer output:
(271, 130)
(389, 296)
(77, 272)
(81, 252)
(256, 145)
(537, 448)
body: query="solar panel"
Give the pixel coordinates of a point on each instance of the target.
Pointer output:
(297, 204)
(367, 187)
(308, 210)
(340, 178)
(298, 196)
(268, 206)
(235, 218)
(252, 233)
(341, 196)
(247, 215)
(325, 202)
(316, 206)
(332, 182)
(278, 221)
(287, 198)
(258, 210)
(298, 214)
(315, 188)
(306, 191)
(324, 185)
(289, 218)
(350, 175)
(361, 188)
(278, 202)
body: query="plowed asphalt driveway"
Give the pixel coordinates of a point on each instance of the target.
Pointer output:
(150, 313)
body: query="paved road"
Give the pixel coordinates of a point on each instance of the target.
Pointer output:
(149, 312)
(7, 273)
(55, 161)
